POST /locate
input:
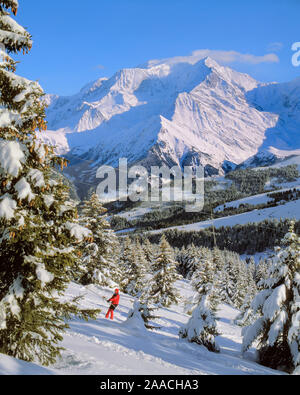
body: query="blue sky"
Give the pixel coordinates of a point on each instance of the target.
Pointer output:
(76, 42)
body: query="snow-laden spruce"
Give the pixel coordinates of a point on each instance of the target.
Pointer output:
(39, 233)
(139, 317)
(202, 326)
(161, 289)
(133, 266)
(277, 330)
(246, 291)
(135, 320)
(99, 252)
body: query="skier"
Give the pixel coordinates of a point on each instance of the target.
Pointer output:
(115, 299)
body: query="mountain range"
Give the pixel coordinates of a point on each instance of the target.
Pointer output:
(178, 111)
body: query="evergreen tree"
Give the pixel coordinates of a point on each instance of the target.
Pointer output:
(244, 284)
(204, 281)
(99, 260)
(224, 285)
(137, 270)
(277, 329)
(262, 270)
(149, 254)
(248, 292)
(228, 279)
(251, 266)
(194, 256)
(147, 312)
(182, 258)
(125, 260)
(136, 320)
(217, 260)
(38, 228)
(235, 281)
(202, 327)
(162, 290)
(133, 266)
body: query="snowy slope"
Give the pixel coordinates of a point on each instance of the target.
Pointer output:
(294, 160)
(105, 347)
(176, 111)
(135, 213)
(289, 210)
(13, 366)
(254, 200)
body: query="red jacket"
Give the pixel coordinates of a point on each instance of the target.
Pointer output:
(115, 299)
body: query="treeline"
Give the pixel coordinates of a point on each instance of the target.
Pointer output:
(251, 181)
(243, 239)
(291, 194)
(178, 216)
(244, 183)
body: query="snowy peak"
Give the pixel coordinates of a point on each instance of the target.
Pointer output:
(177, 111)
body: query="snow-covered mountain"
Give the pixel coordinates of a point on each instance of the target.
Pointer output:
(178, 111)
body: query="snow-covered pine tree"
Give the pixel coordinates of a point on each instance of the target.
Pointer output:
(133, 266)
(262, 270)
(147, 313)
(278, 328)
(202, 326)
(251, 265)
(194, 256)
(203, 280)
(235, 280)
(38, 227)
(125, 259)
(137, 271)
(149, 254)
(246, 316)
(217, 260)
(99, 259)
(162, 290)
(228, 281)
(181, 257)
(224, 286)
(135, 319)
(147, 308)
(244, 284)
(248, 292)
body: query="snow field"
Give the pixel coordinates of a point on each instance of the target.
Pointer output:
(289, 210)
(105, 347)
(254, 200)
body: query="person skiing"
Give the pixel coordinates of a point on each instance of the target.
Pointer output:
(115, 299)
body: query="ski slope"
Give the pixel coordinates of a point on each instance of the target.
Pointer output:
(289, 210)
(254, 200)
(105, 347)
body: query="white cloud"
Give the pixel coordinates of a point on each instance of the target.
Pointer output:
(100, 67)
(275, 47)
(228, 57)
(221, 57)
